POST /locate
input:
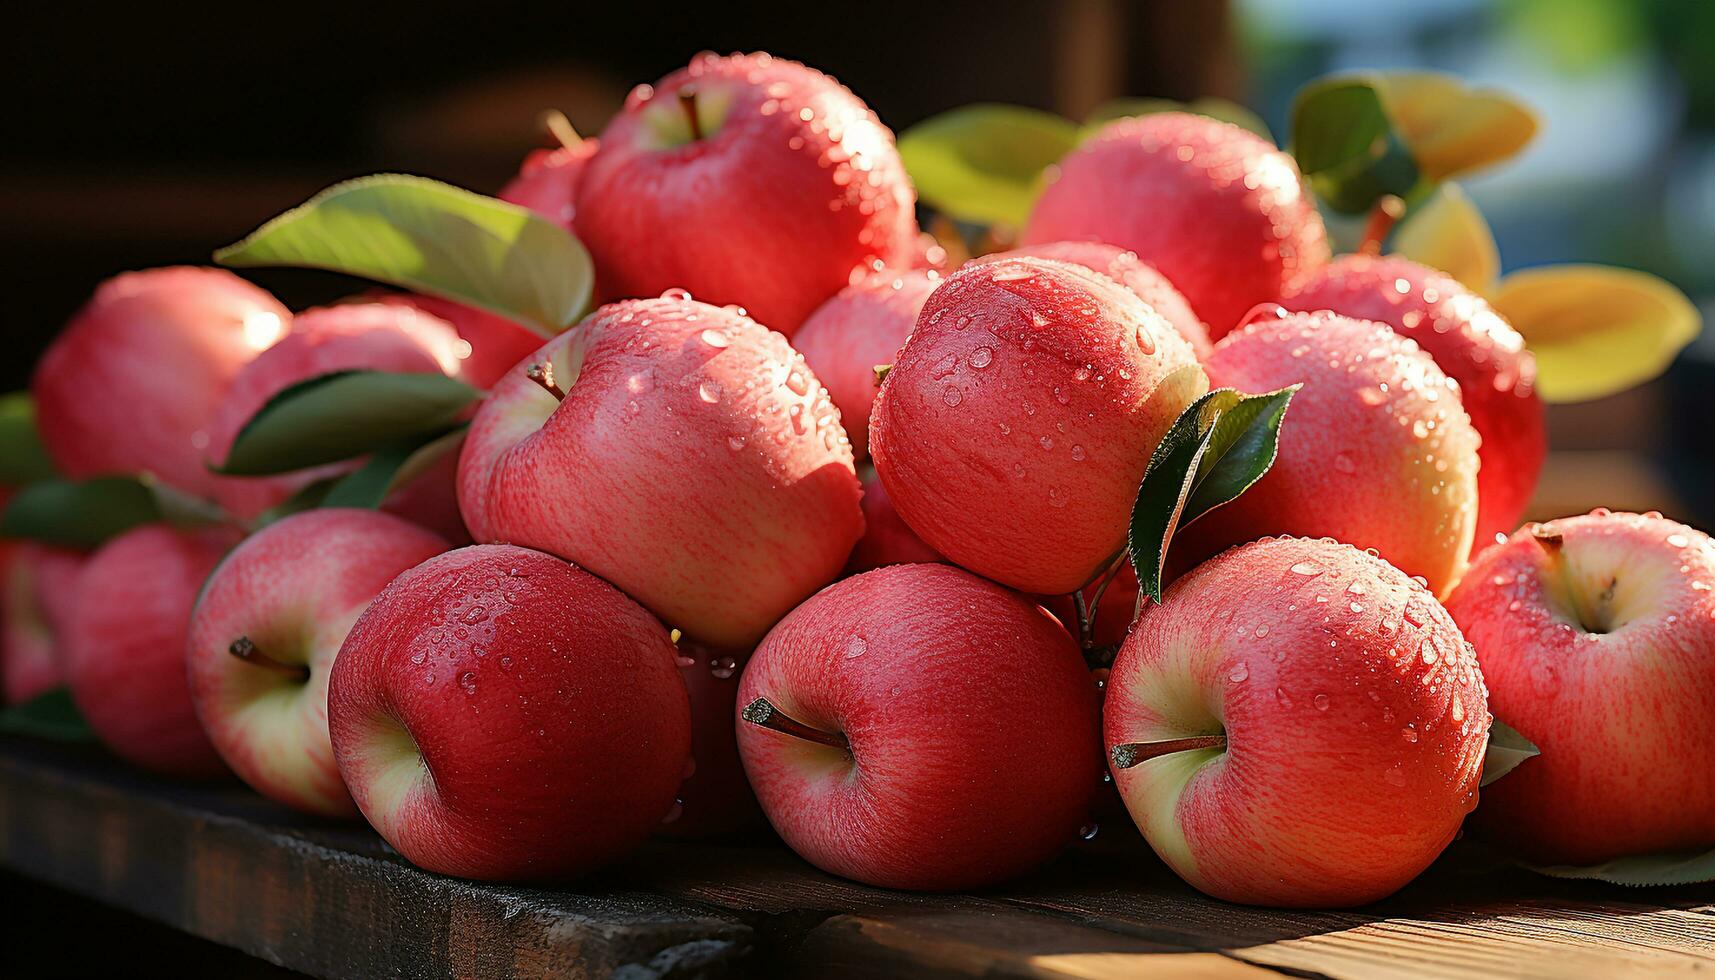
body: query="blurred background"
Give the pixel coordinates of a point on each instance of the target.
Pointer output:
(143, 135)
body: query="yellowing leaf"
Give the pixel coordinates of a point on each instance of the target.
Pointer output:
(1447, 232)
(1449, 127)
(1596, 330)
(984, 163)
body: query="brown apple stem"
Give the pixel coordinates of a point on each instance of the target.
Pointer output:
(560, 128)
(1593, 618)
(1387, 211)
(245, 650)
(688, 102)
(761, 712)
(1128, 754)
(542, 372)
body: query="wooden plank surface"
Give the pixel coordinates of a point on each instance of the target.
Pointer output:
(330, 899)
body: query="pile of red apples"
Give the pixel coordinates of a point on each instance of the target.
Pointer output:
(805, 525)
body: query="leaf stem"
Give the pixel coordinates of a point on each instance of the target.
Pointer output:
(247, 651)
(1128, 754)
(763, 713)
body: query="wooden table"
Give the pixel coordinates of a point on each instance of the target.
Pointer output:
(332, 900)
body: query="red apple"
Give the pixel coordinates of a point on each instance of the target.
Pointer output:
(859, 329)
(496, 343)
(1375, 450)
(1015, 426)
(746, 179)
(129, 385)
(124, 645)
(1219, 211)
(693, 461)
(1597, 637)
(1297, 723)
(263, 638)
(1113, 613)
(886, 540)
(715, 799)
(500, 714)
(919, 727)
(39, 592)
(1474, 346)
(548, 182)
(1129, 271)
(346, 337)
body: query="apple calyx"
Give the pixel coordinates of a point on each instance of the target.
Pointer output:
(542, 372)
(1592, 618)
(764, 714)
(1128, 754)
(688, 102)
(245, 650)
(1388, 210)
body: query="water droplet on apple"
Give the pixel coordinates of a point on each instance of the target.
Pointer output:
(714, 338)
(1344, 464)
(1321, 702)
(1307, 568)
(709, 391)
(467, 680)
(1409, 733)
(981, 358)
(1089, 830)
(856, 647)
(677, 295)
(1239, 672)
(952, 397)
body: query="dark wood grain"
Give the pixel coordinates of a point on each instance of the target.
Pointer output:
(332, 900)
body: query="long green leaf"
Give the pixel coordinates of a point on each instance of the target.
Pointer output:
(337, 416)
(51, 715)
(390, 468)
(984, 163)
(431, 237)
(79, 513)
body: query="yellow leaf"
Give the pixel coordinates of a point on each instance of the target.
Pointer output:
(1449, 127)
(1447, 232)
(1596, 330)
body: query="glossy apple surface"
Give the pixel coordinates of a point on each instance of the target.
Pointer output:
(969, 721)
(1353, 716)
(1597, 637)
(547, 183)
(1016, 424)
(783, 186)
(496, 343)
(500, 714)
(285, 598)
(695, 462)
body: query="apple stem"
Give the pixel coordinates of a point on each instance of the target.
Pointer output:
(1128, 754)
(761, 712)
(881, 373)
(1387, 211)
(542, 372)
(1592, 619)
(561, 128)
(688, 102)
(245, 650)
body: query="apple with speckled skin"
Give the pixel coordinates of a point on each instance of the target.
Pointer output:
(264, 634)
(745, 179)
(919, 727)
(1018, 419)
(130, 384)
(1218, 210)
(496, 343)
(682, 452)
(1125, 268)
(1375, 451)
(547, 183)
(861, 328)
(1597, 637)
(500, 714)
(39, 590)
(1273, 690)
(715, 800)
(887, 540)
(124, 646)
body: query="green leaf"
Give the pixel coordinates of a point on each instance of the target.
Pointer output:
(1227, 112)
(984, 163)
(79, 514)
(389, 469)
(308, 497)
(23, 459)
(1507, 748)
(431, 237)
(50, 715)
(1216, 450)
(1641, 870)
(1346, 145)
(337, 416)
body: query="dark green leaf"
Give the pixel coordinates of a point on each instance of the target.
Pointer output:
(1507, 748)
(434, 238)
(309, 496)
(79, 514)
(22, 456)
(984, 163)
(1642, 869)
(337, 416)
(1346, 145)
(1227, 112)
(50, 715)
(390, 468)
(1217, 448)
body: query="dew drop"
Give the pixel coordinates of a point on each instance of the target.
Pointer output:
(981, 358)
(1239, 672)
(714, 338)
(1321, 702)
(856, 647)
